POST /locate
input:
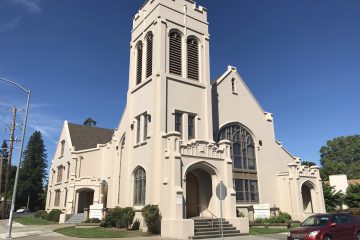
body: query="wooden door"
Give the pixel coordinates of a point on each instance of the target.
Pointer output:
(192, 196)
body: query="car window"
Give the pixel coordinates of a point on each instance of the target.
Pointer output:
(336, 219)
(316, 221)
(342, 218)
(346, 218)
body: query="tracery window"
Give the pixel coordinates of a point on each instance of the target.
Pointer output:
(139, 50)
(193, 59)
(139, 186)
(175, 52)
(244, 162)
(242, 146)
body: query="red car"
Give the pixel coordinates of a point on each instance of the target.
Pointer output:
(340, 226)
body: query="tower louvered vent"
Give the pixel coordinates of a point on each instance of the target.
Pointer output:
(175, 53)
(139, 63)
(149, 55)
(193, 59)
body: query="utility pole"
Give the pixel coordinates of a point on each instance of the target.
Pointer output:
(4, 206)
(1, 170)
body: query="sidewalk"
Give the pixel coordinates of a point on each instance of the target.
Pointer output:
(45, 232)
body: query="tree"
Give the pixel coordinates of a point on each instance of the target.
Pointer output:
(352, 198)
(308, 163)
(333, 199)
(90, 122)
(32, 174)
(341, 155)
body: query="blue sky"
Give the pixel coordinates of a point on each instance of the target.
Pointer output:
(301, 59)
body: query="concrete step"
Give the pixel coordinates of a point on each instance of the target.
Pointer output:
(206, 228)
(217, 228)
(216, 232)
(76, 218)
(215, 236)
(210, 224)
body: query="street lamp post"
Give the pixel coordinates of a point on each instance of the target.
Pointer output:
(28, 92)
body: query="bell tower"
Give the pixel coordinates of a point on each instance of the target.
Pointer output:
(169, 67)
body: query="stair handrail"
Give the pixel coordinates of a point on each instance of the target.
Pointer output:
(212, 215)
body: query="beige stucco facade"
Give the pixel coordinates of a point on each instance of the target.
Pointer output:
(171, 130)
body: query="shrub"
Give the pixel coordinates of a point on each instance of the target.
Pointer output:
(93, 220)
(119, 218)
(40, 214)
(54, 215)
(127, 218)
(239, 214)
(112, 218)
(352, 198)
(152, 218)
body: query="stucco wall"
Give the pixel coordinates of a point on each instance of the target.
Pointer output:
(241, 107)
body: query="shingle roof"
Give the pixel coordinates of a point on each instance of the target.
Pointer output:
(86, 137)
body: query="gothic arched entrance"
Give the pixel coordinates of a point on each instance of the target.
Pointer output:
(199, 192)
(306, 192)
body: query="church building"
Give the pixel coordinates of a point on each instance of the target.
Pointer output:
(179, 136)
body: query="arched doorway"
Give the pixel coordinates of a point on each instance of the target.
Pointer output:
(306, 190)
(85, 199)
(199, 192)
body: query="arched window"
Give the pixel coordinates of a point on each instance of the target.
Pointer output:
(122, 145)
(139, 186)
(242, 146)
(193, 59)
(175, 53)
(244, 163)
(139, 50)
(149, 54)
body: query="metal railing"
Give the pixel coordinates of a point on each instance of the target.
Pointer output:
(201, 209)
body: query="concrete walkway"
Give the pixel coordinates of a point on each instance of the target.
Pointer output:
(45, 232)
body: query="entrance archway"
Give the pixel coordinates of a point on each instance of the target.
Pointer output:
(85, 199)
(199, 192)
(306, 190)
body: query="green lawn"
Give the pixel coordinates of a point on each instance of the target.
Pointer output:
(97, 232)
(33, 221)
(259, 230)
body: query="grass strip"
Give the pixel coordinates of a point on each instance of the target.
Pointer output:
(33, 221)
(97, 232)
(266, 230)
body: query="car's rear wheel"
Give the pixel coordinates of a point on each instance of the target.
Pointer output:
(327, 237)
(358, 236)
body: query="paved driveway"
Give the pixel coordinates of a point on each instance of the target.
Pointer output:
(45, 232)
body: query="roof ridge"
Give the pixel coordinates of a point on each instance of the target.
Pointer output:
(90, 126)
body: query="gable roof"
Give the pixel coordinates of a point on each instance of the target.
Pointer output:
(87, 137)
(231, 69)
